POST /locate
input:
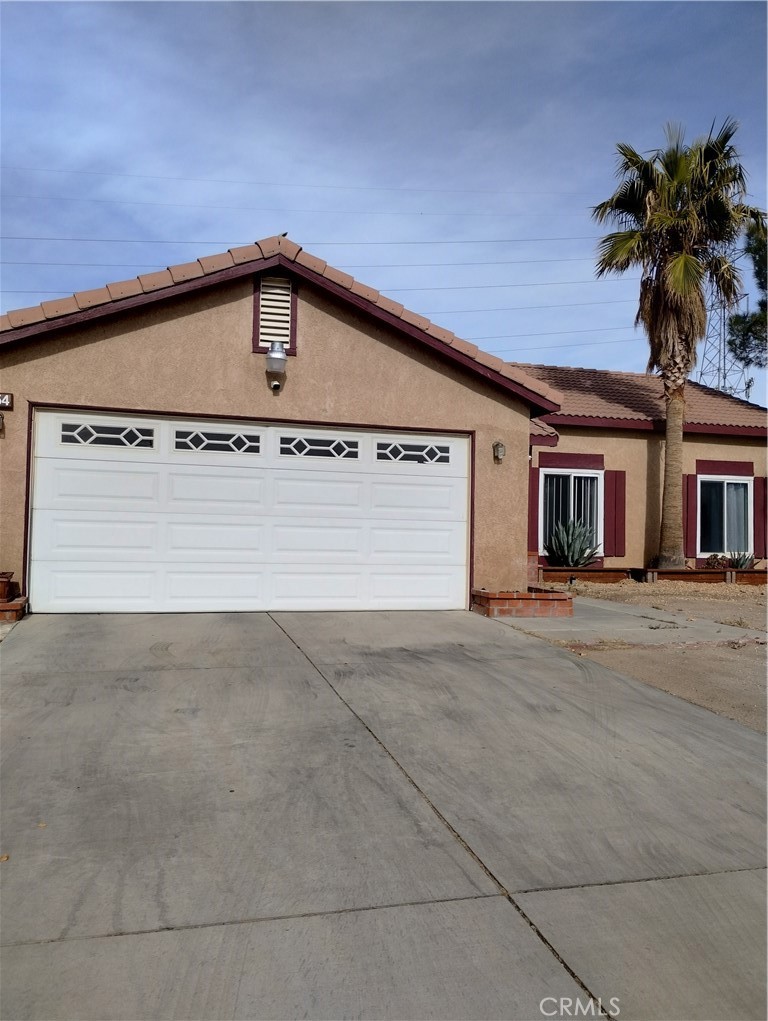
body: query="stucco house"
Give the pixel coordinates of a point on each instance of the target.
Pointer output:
(150, 462)
(600, 456)
(258, 430)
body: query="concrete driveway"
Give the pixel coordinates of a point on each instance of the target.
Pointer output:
(369, 815)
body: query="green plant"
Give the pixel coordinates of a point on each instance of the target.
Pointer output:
(742, 561)
(571, 545)
(717, 560)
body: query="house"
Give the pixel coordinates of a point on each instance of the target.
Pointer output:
(151, 462)
(600, 457)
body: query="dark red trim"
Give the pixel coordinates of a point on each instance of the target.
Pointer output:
(614, 515)
(256, 346)
(536, 440)
(562, 460)
(471, 518)
(533, 509)
(538, 403)
(27, 504)
(597, 564)
(690, 515)
(114, 308)
(760, 500)
(53, 405)
(725, 468)
(646, 425)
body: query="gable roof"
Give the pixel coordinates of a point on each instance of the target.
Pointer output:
(27, 324)
(604, 398)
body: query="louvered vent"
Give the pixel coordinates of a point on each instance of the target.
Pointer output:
(275, 311)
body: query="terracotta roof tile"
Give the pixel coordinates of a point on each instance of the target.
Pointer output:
(388, 305)
(311, 262)
(491, 361)
(155, 281)
(5, 324)
(337, 277)
(247, 253)
(524, 379)
(414, 319)
(88, 299)
(465, 347)
(25, 316)
(185, 271)
(637, 396)
(213, 263)
(288, 248)
(369, 293)
(269, 246)
(124, 289)
(440, 333)
(539, 428)
(58, 307)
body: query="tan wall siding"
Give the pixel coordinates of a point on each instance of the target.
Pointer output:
(194, 356)
(641, 456)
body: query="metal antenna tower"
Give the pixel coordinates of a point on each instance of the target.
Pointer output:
(717, 366)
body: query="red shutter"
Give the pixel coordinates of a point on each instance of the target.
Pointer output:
(533, 509)
(690, 515)
(614, 519)
(760, 499)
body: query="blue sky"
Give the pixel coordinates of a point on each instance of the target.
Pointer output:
(446, 153)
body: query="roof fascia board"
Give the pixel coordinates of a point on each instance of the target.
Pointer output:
(646, 425)
(537, 402)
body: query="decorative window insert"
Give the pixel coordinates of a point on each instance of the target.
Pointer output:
(415, 453)
(571, 496)
(313, 446)
(225, 442)
(274, 314)
(99, 435)
(725, 515)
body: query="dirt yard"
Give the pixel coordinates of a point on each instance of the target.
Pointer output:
(729, 679)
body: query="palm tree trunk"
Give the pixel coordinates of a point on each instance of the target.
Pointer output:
(671, 551)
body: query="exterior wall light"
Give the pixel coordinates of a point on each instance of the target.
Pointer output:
(276, 362)
(499, 451)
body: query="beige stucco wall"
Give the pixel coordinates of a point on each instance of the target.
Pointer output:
(641, 456)
(194, 356)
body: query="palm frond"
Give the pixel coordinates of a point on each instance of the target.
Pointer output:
(683, 274)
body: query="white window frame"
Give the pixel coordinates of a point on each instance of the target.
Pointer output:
(595, 473)
(749, 480)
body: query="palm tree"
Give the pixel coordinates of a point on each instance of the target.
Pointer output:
(680, 212)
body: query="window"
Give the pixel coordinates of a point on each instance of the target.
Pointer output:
(725, 515)
(99, 435)
(417, 453)
(316, 446)
(567, 496)
(226, 442)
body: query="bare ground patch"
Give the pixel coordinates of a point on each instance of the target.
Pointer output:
(726, 678)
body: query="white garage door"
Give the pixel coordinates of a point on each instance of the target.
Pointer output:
(136, 514)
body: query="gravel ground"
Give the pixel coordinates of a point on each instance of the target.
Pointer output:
(728, 679)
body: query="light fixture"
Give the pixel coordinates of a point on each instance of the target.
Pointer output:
(499, 450)
(276, 358)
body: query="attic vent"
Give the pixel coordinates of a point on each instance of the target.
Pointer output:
(274, 311)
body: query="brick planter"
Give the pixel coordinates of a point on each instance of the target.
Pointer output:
(13, 610)
(533, 603)
(604, 575)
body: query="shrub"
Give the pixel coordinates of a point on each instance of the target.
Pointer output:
(742, 561)
(571, 546)
(717, 560)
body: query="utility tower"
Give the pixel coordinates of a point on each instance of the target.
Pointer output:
(717, 366)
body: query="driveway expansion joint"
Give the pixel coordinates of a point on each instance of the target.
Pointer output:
(255, 920)
(642, 879)
(453, 831)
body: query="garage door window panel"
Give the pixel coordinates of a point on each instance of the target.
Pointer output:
(224, 442)
(100, 435)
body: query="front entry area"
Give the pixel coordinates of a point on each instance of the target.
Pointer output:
(137, 514)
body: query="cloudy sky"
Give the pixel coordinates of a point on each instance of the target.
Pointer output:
(446, 153)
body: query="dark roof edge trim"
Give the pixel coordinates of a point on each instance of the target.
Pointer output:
(657, 425)
(537, 402)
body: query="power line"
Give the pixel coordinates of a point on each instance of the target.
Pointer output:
(552, 347)
(553, 333)
(356, 265)
(283, 184)
(538, 283)
(324, 244)
(271, 209)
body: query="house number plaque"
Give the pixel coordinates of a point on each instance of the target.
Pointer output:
(6, 402)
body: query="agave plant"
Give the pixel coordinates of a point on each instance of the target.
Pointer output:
(742, 561)
(571, 545)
